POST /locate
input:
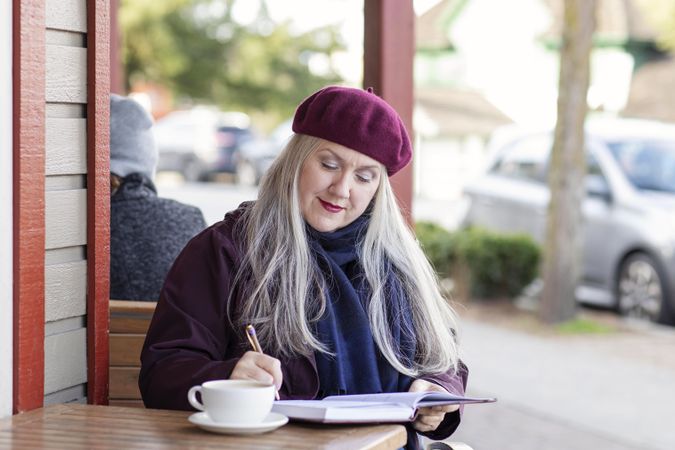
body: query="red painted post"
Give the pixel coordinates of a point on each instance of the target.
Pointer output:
(389, 48)
(116, 70)
(98, 199)
(28, 90)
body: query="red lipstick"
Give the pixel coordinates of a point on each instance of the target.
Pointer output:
(330, 207)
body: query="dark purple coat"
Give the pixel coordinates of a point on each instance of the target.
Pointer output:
(190, 340)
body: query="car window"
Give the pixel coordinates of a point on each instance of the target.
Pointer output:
(592, 166)
(649, 165)
(525, 159)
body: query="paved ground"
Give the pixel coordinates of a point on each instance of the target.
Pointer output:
(214, 199)
(613, 391)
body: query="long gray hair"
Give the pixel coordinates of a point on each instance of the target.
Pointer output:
(283, 287)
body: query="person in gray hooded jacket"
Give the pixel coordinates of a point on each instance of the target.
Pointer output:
(146, 232)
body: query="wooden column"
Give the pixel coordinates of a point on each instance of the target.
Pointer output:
(98, 198)
(389, 48)
(116, 69)
(28, 90)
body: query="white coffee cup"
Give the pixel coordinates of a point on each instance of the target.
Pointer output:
(233, 401)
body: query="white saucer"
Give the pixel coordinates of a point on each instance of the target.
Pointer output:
(271, 422)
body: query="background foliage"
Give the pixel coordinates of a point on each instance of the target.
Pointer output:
(497, 264)
(196, 50)
(661, 14)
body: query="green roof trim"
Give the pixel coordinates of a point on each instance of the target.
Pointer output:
(453, 13)
(436, 50)
(602, 41)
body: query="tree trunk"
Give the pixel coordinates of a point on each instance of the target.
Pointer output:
(562, 253)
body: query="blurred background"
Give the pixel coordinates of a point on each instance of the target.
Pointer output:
(222, 79)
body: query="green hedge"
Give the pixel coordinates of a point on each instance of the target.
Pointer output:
(496, 264)
(439, 245)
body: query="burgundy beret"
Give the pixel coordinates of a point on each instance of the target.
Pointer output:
(359, 120)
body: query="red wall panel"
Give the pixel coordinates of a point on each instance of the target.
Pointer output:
(98, 199)
(28, 92)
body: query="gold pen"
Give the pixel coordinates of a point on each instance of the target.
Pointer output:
(253, 339)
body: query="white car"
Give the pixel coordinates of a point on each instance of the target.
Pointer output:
(628, 259)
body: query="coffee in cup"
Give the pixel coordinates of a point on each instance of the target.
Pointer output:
(233, 401)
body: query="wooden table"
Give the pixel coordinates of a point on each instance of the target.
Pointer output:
(75, 426)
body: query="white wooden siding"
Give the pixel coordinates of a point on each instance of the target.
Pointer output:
(65, 201)
(66, 146)
(70, 15)
(66, 71)
(6, 211)
(65, 182)
(75, 394)
(65, 218)
(65, 110)
(65, 360)
(67, 38)
(65, 255)
(65, 325)
(65, 290)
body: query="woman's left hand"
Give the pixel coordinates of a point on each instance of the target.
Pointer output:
(428, 419)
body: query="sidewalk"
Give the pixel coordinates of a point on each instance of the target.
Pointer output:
(612, 391)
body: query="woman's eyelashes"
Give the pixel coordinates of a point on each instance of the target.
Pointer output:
(330, 165)
(364, 178)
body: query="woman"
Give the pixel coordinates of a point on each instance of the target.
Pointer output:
(325, 267)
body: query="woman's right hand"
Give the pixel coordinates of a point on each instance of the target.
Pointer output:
(258, 367)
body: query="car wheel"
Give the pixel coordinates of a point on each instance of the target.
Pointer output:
(246, 174)
(640, 290)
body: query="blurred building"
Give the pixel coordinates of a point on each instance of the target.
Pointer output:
(480, 64)
(652, 92)
(452, 127)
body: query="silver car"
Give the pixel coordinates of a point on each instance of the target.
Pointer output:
(628, 260)
(257, 155)
(202, 141)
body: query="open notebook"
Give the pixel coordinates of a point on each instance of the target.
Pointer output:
(369, 408)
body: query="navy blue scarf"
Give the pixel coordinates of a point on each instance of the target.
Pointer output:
(358, 366)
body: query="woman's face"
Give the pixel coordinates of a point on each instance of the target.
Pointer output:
(336, 186)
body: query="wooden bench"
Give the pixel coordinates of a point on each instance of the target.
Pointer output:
(129, 322)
